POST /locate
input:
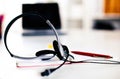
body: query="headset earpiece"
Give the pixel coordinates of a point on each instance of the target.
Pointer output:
(46, 52)
(55, 46)
(65, 49)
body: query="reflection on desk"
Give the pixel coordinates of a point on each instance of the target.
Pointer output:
(104, 42)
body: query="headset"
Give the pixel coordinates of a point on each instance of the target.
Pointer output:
(61, 51)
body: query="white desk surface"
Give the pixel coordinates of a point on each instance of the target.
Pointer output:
(104, 42)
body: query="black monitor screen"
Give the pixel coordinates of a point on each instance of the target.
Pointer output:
(49, 11)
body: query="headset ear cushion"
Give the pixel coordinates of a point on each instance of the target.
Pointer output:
(56, 48)
(55, 45)
(45, 52)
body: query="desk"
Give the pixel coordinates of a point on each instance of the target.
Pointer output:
(104, 42)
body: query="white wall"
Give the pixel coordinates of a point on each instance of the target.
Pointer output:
(84, 11)
(93, 9)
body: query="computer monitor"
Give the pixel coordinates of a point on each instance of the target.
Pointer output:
(49, 11)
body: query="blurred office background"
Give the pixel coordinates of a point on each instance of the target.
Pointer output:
(75, 14)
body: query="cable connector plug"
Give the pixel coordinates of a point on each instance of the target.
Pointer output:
(47, 72)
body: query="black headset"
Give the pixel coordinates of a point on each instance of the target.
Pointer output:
(61, 51)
